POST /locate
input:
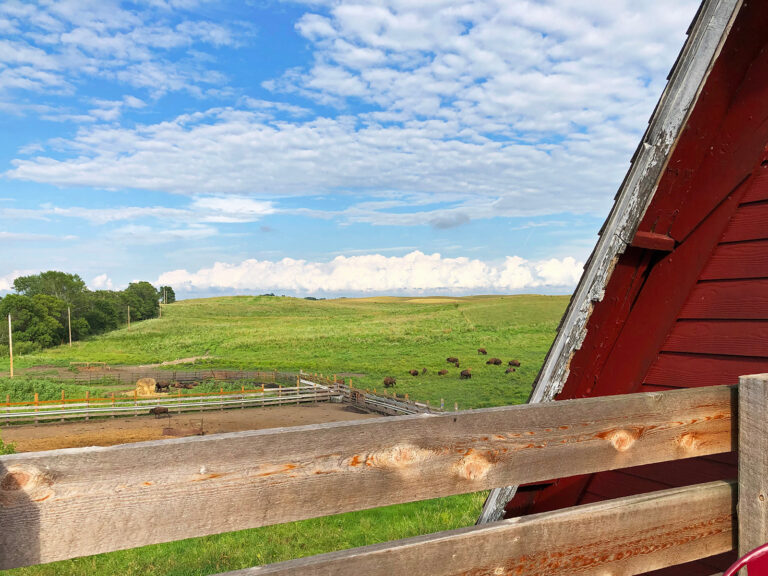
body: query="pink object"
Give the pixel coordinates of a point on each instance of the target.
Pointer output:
(756, 563)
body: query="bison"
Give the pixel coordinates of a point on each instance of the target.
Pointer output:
(456, 364)
(452, 360)
(465, 374)
(389, 382)
(442, 372)
(413, 372)
(482, 351)
(158, 410)
(423, 371)
(162, 386)
(494, 361)
(514, 362)
(509, 370)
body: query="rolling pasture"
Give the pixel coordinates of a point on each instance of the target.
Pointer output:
(368, 339)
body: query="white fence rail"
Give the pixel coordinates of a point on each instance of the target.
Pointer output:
(308, 392)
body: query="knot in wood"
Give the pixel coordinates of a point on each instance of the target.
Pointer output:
(473, 466)
(622, 440)
(401, 457)
(19, 485)
(688, 441)
(14, 481)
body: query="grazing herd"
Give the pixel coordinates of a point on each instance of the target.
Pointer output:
(465, 374)
(166, 386)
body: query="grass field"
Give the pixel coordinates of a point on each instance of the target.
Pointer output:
(370, 338)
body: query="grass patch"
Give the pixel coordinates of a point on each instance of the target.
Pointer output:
(371, 338)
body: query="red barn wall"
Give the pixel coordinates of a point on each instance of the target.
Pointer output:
(696, 315)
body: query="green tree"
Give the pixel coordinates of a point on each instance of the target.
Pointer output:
(66, 287)
(36, 320)
(103, 311)
(142, 298)
(166, 294)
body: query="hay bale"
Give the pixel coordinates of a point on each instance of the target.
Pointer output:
(145, 386)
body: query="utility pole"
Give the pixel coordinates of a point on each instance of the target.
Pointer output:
(69, 325)
(10, 342)
(129, 317)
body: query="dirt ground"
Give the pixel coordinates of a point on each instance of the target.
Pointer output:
(107, 432)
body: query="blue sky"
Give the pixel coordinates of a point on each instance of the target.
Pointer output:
(324, 147)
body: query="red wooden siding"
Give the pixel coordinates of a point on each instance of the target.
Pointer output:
(696, 315)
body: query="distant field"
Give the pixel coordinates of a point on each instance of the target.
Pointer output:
(371, 338)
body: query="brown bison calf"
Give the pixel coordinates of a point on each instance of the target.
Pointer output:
(413, 372)
(509, 370)
(482, 351)
(423, 371)
(465, 374)
(514, 362)
(494, 361)
(158, 410)
(389, 382)
(442, 372)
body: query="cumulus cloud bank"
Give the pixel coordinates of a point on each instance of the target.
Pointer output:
(413, 273)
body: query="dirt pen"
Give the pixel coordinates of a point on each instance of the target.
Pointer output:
(108, 431)
(313, 399)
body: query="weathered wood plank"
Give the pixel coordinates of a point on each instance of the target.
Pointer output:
(738, 260)
(690, 370)
(749, 223)
(67, 503)
(626, 536)
(747, 338)
(759, 190)
(746, 299)
(753, 462)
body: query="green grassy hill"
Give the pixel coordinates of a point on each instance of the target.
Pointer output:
(373, 337)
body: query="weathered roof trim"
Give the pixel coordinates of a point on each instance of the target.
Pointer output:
(686, 82)
(707, 36)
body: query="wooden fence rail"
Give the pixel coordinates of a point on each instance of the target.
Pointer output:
(625, 536)
(83, 408)
(74, 502)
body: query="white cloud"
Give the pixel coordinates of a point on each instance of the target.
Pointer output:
(6, 281)
(493, 108)
(231, 209)
(374, 273)
(221, 209)
(146, 235)
(101, 282)
(57, 42)
(230, 152)
(32, 237)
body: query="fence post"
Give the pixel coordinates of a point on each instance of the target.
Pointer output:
(7, 407)
(36, 404)
(753, 462)
(221, 399)
(135, 403)
(455, 406)
(442, 404)
(113, 404)
(63, 404)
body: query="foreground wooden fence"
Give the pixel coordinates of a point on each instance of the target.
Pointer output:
(68, 503)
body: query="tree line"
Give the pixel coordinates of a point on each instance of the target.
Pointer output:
(39, 309)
